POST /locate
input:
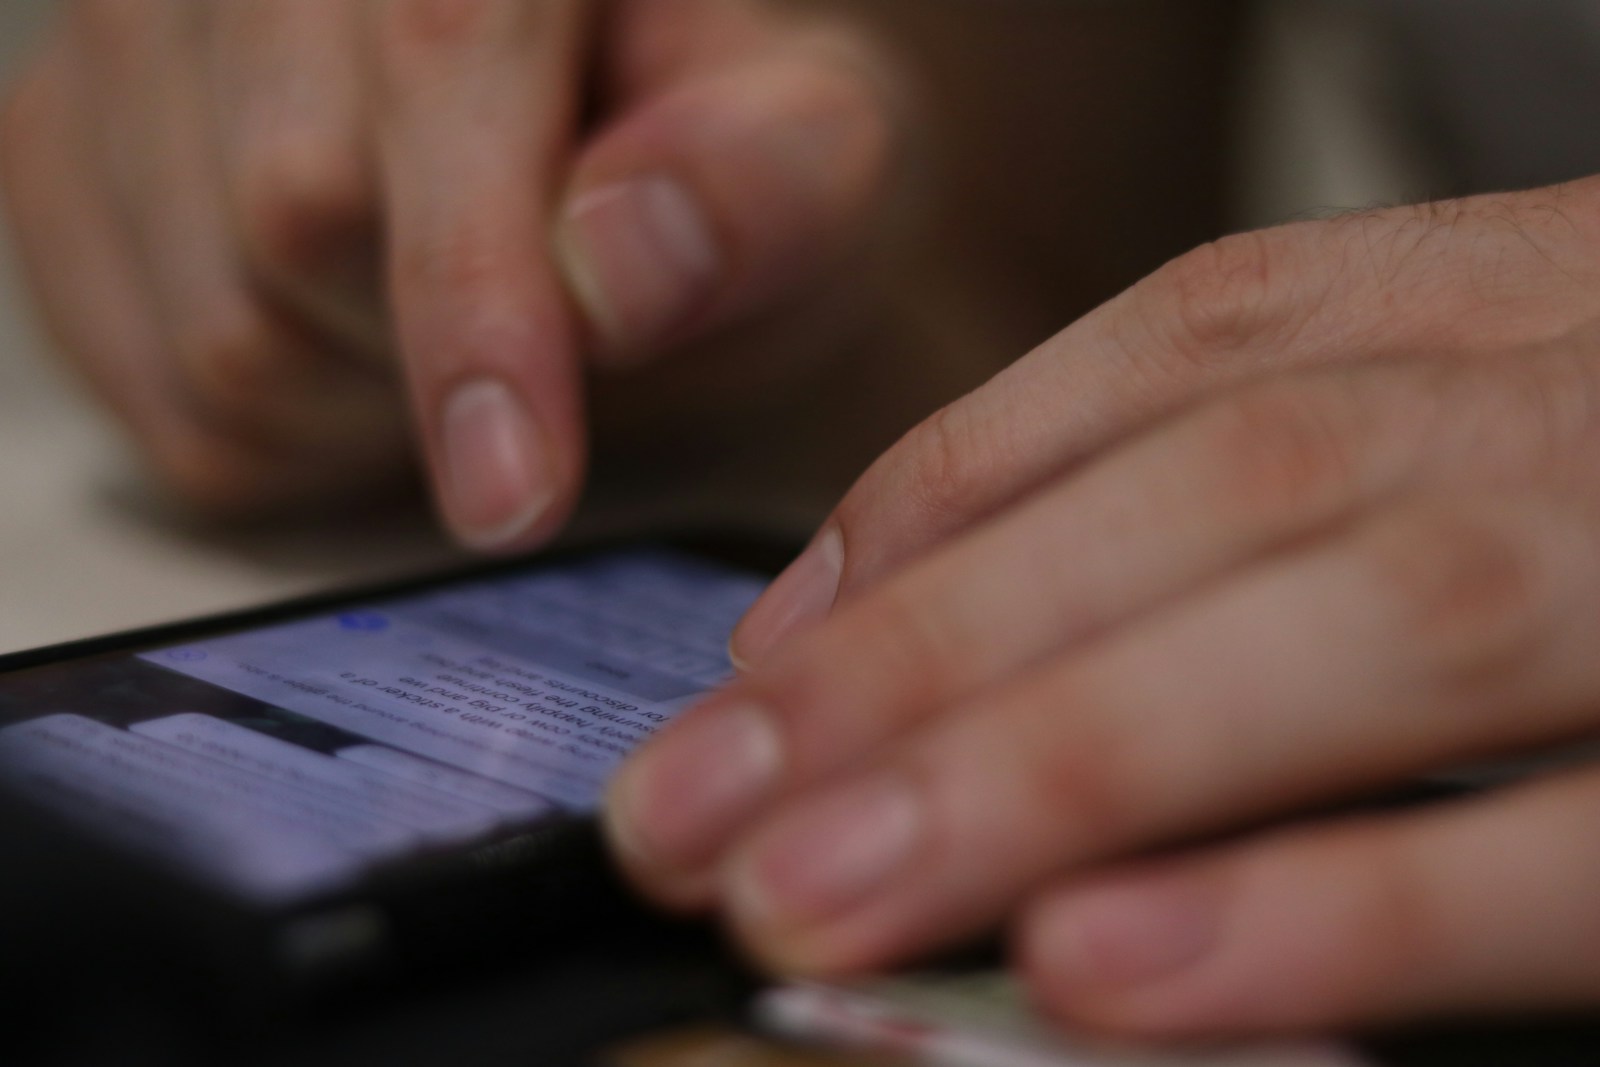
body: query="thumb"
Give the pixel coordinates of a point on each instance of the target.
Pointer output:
(712, 196)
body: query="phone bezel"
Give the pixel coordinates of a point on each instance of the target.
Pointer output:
(756, 552)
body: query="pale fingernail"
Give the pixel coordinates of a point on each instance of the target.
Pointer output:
(498, 477)
(800, 596)
(640, 256)
(676, 803)
(831, 855)
(1121, 936)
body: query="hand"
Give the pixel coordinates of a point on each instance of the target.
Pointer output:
(240, 219)
(1307, 512)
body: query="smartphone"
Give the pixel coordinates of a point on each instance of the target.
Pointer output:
(288, 800)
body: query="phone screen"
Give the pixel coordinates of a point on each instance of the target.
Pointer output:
(288, 761)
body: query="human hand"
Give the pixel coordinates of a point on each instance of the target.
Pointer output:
(1308, 512)
(240, 219)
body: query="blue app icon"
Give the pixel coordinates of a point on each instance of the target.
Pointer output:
(367, 622)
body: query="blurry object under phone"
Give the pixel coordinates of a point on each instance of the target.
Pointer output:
(982, 1019)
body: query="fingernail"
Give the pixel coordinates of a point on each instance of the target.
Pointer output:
(498, 479)
(831, 855)
(1116, 937)
(682, 796)
(640, 256)
(800, 596)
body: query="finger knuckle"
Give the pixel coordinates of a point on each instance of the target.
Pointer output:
(438, 24)
(1280, 450)
(298, 198)
(942, 455)
(470, 291)
(1080, 768)
(1467, 593)
(1391, 927)
(415, 35)
(209, 474)
(463, 258)
(230, 361)
(1218, 299)
(205, 483)
(936, 477)
(469, 258)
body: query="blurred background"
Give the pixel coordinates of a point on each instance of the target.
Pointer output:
(1120, 133)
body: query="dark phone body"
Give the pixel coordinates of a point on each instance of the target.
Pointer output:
(80, 914)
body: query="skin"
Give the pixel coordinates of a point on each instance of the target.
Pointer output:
(281, 239)
(207, 202)
(262, 288)
(1306, 513)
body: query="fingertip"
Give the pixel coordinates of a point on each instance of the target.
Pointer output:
(738, 662)
(796, 951)
(710, 201)
(684, 893)
(640, 257)
(499, 479)
(1126, 955)
(671, 809)
(799, 597)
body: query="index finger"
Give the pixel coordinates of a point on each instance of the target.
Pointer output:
(477, 102)
(1331, 291)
